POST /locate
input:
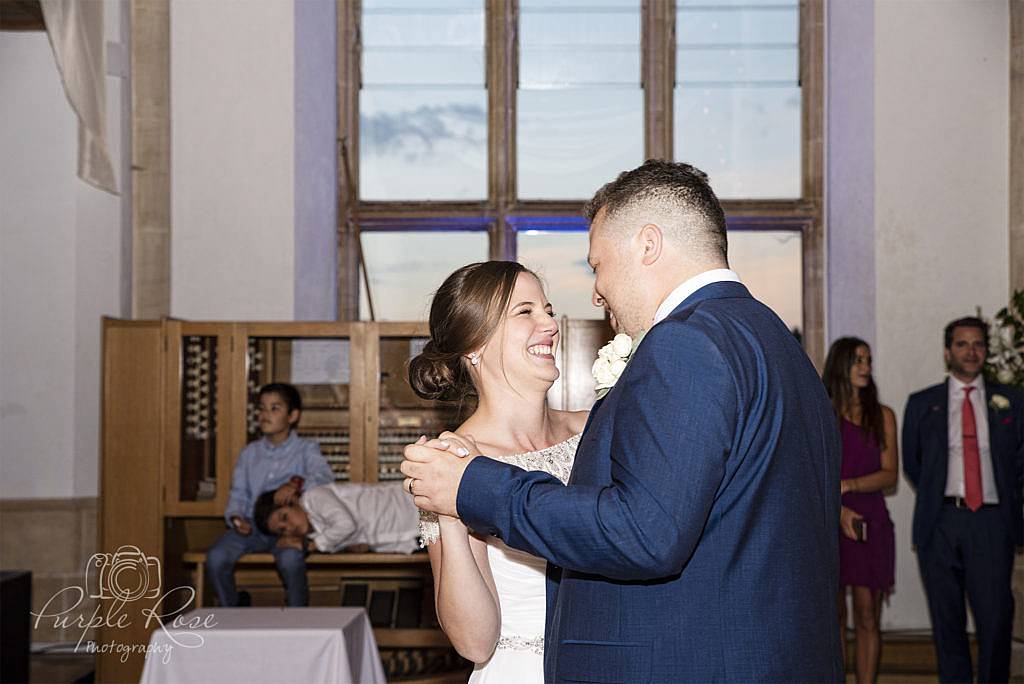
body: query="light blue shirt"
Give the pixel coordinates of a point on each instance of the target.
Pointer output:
(262, 466)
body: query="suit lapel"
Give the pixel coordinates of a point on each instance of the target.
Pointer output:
(593, 412)
(944, 409)
(993, 420)
(995, 440)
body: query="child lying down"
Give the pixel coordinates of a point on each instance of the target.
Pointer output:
(341, 516)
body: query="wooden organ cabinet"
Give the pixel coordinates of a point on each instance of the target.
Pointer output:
(178, 406)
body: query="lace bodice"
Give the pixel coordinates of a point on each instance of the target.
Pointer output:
(555, 460)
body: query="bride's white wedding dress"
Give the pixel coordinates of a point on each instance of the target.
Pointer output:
(520, 581)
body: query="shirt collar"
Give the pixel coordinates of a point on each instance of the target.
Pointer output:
(287, 442)
(956, 386)
(688, 287)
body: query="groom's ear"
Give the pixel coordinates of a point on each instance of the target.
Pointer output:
(652, 240)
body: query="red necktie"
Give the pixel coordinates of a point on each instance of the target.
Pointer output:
(972, 458)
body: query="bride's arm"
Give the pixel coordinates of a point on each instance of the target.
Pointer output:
(464, 592)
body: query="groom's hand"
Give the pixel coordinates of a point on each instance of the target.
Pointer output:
(434, 472)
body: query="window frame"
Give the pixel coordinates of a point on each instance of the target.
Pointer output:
(502, 211)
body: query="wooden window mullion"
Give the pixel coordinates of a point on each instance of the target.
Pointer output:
(658, 54)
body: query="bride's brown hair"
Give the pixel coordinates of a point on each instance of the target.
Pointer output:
(465, 312)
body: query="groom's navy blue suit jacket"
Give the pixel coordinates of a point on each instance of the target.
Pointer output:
(698, 535)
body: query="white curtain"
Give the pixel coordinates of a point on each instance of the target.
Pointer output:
(75, 28)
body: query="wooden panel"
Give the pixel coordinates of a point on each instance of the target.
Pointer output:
(235, 427)
(406, 638)
(404, 329)
(370, 398)
(358, 404)
(21, 15)
(299, 329)
(130, 497)
(172, 416)
(580, 342)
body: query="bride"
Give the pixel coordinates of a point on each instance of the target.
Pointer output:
(493, 335)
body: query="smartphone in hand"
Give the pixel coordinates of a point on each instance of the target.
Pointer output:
(860, 528)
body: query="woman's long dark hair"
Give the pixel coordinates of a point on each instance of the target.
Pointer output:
(841, 356)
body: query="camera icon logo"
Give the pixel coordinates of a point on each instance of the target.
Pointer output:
(126, 575)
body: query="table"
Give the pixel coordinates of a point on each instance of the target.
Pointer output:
(270, 645)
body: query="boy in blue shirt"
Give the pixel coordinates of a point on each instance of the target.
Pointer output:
(266, 464)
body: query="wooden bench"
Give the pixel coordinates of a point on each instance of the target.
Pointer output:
(330, 572)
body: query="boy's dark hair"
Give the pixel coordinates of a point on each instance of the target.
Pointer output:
(965, 322)
(262, 510)
(288, 393)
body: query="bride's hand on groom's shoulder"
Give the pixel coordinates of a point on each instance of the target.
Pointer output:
(460, 445)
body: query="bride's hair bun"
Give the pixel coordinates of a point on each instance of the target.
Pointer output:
(466, 310)
(434, 375)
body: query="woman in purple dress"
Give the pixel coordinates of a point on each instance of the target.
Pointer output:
(867, 548)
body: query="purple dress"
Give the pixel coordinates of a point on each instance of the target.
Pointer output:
(872, 563)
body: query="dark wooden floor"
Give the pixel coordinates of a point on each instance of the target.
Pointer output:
(906, 659)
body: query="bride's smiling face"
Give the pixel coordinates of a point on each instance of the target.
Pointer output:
(522, 350)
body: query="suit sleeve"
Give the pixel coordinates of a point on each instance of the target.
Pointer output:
(911, 440)
(672, 433)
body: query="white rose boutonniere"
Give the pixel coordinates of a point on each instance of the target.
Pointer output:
(999, 402)
(611, 361)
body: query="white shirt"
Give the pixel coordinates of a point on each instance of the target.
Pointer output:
(955, 472)
(380, 515)
(679, 295)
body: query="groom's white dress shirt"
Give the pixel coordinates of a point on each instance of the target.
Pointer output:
(688, 287)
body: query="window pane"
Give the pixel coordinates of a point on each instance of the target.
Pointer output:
(423, 103)
(560, 259)
(417, 147)
(738, 97)
(406, 268)
(770, 264)
(580, 105)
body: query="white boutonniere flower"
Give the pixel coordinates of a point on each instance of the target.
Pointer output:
(999, 402)
(611, 361)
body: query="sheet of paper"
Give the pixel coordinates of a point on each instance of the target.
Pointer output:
(320, 362)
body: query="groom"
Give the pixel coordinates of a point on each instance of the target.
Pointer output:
(698, 535)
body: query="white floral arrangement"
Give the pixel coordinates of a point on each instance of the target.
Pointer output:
(1005, 363)
(611, 361)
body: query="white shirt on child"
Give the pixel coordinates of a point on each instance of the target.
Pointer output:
(380, 515)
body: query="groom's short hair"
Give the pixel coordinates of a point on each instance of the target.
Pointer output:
(677, 193)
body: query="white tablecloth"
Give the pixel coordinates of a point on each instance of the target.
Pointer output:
(272, 645)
